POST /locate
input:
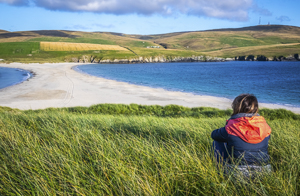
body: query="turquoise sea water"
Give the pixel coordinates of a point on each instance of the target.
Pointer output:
(271, 82)
(12, 76)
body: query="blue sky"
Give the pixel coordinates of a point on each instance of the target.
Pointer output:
(144, 16)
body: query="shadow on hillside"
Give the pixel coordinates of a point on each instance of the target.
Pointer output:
(9, 35)
(54, 33)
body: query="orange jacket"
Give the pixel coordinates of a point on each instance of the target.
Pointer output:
(250, 129)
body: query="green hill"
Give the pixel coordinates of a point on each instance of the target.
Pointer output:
(224, 39)
(267, 40)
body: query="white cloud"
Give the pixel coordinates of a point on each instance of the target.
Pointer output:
(15, 2)
(236, 10)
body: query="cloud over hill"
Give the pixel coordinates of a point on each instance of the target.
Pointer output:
(236, 10)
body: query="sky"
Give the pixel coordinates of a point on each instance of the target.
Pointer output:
(144, 17)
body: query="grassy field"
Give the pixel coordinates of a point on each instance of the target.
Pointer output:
(145, 52)
(268, 40)
(139, 150)
(216, 40)
(28, 52)
(266, 50)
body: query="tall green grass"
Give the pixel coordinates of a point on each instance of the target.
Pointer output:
(165, 111)
(62, 152)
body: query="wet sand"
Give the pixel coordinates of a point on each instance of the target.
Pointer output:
(58, 85)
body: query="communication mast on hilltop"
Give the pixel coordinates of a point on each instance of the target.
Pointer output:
(259, 20)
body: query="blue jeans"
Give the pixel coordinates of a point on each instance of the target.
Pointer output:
(221, 154)
(220, 151)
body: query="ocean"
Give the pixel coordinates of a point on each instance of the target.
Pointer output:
(12, 76)
(271, 82)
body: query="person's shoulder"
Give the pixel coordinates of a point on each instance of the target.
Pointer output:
(220, 134)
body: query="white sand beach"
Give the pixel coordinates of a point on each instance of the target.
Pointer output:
(58, 85)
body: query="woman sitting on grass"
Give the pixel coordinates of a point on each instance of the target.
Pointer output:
(244, 139)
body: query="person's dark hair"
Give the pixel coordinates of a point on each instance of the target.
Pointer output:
(245, 103)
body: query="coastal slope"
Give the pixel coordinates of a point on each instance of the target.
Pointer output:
(275, 42)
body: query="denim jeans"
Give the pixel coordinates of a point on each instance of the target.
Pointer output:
(221, 154)
(220, 151)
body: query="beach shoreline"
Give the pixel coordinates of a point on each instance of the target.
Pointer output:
(30, 74)
(59, 85)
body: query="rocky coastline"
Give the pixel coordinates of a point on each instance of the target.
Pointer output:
(164, 59)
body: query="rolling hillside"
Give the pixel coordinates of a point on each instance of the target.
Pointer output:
(225, 40)
(268, 40)
(3, 31)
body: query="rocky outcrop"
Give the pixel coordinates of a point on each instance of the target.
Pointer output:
(165, 59)
(84, 59)
(279, 58)
(294, 57)
(290, 58)
(250, 58)
(156, 59)
(240, 58)
(261, 58)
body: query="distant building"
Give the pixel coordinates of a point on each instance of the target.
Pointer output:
(153, 46)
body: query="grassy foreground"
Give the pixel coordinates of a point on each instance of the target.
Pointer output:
(139, 150)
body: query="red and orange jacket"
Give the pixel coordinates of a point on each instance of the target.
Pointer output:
(247, 137)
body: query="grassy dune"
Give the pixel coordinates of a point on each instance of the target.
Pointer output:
(85, 151)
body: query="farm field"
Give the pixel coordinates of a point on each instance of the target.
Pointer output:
(134, 150)
(63, 46)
